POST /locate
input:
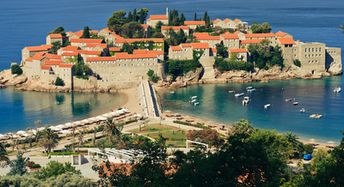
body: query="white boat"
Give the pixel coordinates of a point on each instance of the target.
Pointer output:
(194, 97)
(245, 101)
(195, 104)
(172, 92)
(288, 100)
(295, 103)
(251, 90)
(315, 116)
(302, 110)
(193, 100)
(239, 94)
(337, 90)
(231, 91)
(267, 106)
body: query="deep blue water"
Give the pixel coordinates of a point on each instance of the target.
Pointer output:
(25, 23)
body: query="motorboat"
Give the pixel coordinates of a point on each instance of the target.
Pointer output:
(172, 92)
(193, 97)
(315, 116)
(195, 104)
(231, 91)
(267, 106)
(239, 94)
(288, 100)
(302, 110)
(193, 100)
(251, 90)
(337, 90)
(295, 103)
(245, 101)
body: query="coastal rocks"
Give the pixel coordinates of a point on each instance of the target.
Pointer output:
(7, 79)
(335, 69)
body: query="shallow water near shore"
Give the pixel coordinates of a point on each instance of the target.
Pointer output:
(19, 110)
(316, 96)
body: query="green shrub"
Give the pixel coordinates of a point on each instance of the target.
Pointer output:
(59, 82)
(297, 63)
(16, 69)
(227, 65)
(152, 76)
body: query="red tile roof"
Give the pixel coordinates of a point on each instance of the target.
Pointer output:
(53, 62)
(285, 41)
(194, 22)
(85, 40)
(70, 48)
(237, 20)
(134, 56)
(45, 67)
(102, 45)
(38, 48)
(66, 65)
(176, 48)
(144, 26)
(85, 52)
(93, 59)
(175, 28)
(238, 50)
(280, 34)
(132, 40)
(158, 17)
(143, 51)
(205, 36)
(226, 20)
(230, 36)
(38, 56)
(250, 41)
(52, 56)
(196, 45)
(79, 33)
(73, 53)
(260, 35)
(217, 20)
(55, 36)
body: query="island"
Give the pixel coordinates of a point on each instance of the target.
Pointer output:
(141, 145)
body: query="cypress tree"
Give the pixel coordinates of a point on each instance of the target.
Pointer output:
(195, 17)
(86, 33)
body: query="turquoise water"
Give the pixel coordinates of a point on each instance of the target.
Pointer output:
(316, 96)
(19, 110)
(25, 23)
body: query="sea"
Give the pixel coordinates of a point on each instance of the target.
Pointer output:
(25, 23)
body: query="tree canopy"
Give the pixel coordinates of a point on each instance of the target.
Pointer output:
(261, 28)
(264, 56)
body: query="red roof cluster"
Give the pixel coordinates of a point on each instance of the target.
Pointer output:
(194, 22)
(205, 36)
(175, 28)
(241, 50)
(158, 17)
(38, 48)
(85, 40)
(286, 41)
(260, 35)
(55, 36)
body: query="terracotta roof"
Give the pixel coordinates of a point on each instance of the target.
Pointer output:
(196, 45)
(226, 20)
(66, 65)
(115, 49)
(280, 34)
(176, 48)
(285, 41)
(53, 62)
(85, 52)
(70, 48)
(217, 20)
(175, 28)
(144, 26)
(45, 67)
(132, 40)
(52, 56)
(230, 36)
(73, 53)
(260, 35)
(79, 33)
(238, 50)
(250, 41)
(205, 36)
(134, 56)
(106, 30)
(237, 20)
(38, 48)
(158, 17)
(214, 50)
(143, 51)
(93, 59)
(194, 22)
(37, 56)
(102, 45)
(85, 40)
(55, 36)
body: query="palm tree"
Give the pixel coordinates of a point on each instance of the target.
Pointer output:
(112, 130)
(48, 139)
(3, 155)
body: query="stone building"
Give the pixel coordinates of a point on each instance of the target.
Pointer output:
(31, 50)
(52, 38)
(185, 51)
(194, 24)
(166, 29)
(227, 23)
(241, 54)
(154, 19)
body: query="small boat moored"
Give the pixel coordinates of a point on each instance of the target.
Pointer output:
(295, 103)
(267, 106)
(337, 90)
(239, 94)
(245, 101)
(315, 116)
(302, 110)
(231, 91)
(193, 97)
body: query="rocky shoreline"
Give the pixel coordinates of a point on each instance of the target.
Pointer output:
(274, 73)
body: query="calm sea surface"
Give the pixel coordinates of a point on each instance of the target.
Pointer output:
(25, 23)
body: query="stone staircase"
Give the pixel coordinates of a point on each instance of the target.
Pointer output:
(209, 72)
